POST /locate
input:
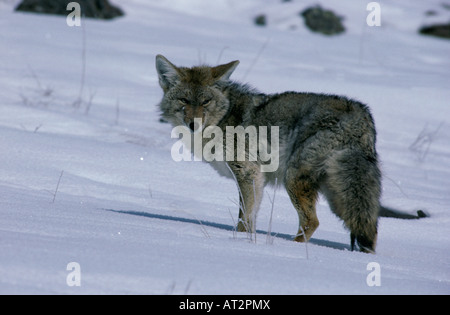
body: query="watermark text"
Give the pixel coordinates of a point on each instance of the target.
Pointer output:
(240, 144)
(74, 17)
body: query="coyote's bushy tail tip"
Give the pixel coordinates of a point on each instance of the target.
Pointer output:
(391, 213)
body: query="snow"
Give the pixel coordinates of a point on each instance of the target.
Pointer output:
(95, 183)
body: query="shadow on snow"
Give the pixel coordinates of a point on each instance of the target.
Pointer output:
(226, 227)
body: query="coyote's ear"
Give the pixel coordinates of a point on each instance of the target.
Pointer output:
(223, 72)
(167, 72)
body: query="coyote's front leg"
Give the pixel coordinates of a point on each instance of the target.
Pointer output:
(250, 183)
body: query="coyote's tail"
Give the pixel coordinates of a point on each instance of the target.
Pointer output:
(392, 213)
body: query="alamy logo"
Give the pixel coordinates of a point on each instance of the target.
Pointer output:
(236, 140)
(73, 279)
(74, 17)
(374, 277)
(374, 17)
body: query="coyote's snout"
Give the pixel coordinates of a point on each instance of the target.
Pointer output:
(191, 112)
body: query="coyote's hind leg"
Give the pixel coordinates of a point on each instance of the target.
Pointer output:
(303, 193)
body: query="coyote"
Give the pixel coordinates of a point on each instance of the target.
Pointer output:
(326, 144)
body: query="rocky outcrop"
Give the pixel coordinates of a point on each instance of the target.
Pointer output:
(98, 9)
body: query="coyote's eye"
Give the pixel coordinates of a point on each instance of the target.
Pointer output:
(183, 101)
(206, 102)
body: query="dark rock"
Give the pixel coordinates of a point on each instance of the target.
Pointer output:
(323, 21)
(431, 13)
(261, 20)
(98, 9)
(439, 30)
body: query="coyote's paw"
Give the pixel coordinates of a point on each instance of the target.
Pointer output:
(243, 226)
(305, 233)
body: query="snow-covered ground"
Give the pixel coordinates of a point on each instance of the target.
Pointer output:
(93, 182)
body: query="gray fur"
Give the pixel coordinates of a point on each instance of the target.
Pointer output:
(327, 145)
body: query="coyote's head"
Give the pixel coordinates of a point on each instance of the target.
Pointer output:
(191, 93)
